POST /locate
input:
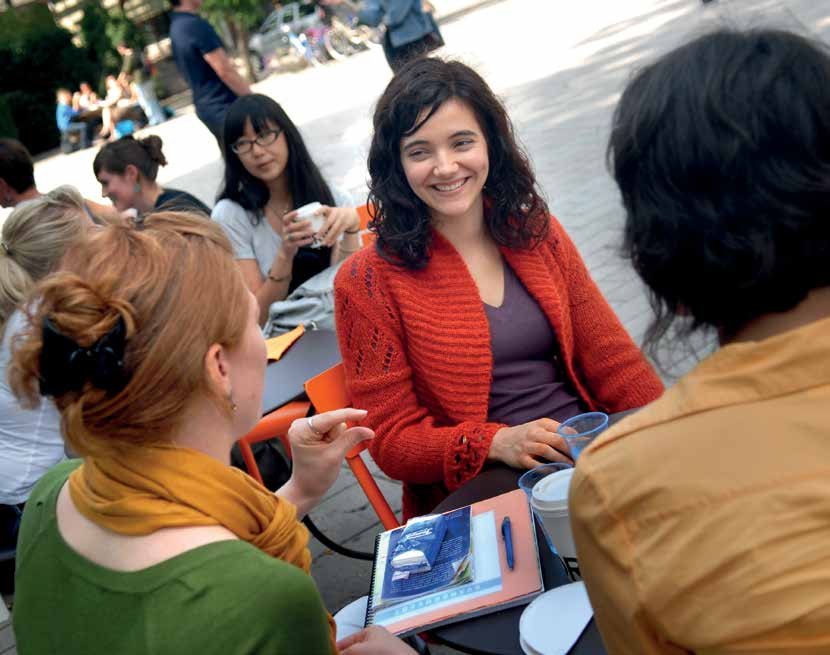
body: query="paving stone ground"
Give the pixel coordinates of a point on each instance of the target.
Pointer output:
(560, 68)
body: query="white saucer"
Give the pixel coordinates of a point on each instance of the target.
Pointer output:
(553, 622)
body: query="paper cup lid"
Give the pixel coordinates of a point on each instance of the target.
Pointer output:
(550, 494)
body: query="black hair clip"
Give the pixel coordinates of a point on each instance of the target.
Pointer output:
(138, 222)
(65, 366)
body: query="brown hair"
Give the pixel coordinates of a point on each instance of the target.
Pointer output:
(145, 154)
(166, 282)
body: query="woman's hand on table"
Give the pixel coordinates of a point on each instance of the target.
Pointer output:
(318, 447)
(296, 234)
(529, 445)
(373, 641)
(337, 221)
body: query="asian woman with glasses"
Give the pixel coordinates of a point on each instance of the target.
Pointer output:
(269, 173)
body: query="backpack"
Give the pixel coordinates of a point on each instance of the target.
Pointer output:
(310, 304)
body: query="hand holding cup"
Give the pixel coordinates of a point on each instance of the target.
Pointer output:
(298, 232)
(530, 444)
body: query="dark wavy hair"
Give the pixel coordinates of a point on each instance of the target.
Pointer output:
(304, 178)
(721, 150)
(515, 214)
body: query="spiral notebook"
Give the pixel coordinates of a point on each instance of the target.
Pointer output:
(494, 586)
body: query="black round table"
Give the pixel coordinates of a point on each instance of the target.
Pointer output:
(313, 353)
(498, 633)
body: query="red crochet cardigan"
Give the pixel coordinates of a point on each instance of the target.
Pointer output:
(416, 350)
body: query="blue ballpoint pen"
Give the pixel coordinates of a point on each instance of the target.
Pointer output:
(507, 535)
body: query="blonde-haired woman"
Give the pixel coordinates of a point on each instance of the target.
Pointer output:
(34, 239)
(154, 543)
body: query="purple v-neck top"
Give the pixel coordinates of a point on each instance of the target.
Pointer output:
(528, 382)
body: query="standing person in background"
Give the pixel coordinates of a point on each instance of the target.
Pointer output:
(202, 60)
(135, 75)
(409, 33)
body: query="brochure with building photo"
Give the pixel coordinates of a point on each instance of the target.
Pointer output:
(453, 564)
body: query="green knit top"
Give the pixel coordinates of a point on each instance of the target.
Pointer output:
(226, 597)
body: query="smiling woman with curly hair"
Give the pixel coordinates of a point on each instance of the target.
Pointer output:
(473, 328)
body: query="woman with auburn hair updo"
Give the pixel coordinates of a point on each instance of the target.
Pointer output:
(127, 171)
(34, 239)
(148, 343)
(473, 328)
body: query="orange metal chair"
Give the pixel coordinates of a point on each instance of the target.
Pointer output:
(270, 426)
(327, 392)
(366, 237)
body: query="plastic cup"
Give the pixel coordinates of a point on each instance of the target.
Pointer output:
(579, 431)
(529, 480)
(549, 501)
(531, 477)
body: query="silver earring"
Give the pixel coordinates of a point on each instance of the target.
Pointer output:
(137, 188)
(232, 403)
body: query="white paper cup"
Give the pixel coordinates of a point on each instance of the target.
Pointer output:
(306, 213)
(549, 500)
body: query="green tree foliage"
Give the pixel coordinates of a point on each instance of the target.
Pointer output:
(36, 58)
(241, 16)
(96, 27)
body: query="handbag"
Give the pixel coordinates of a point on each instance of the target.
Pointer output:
(434, 39)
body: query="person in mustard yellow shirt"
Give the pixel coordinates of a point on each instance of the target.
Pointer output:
(702, 522)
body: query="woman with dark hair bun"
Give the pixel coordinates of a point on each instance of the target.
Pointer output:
(127, 171)
(473, 328)
(701, 522)
(269, 174)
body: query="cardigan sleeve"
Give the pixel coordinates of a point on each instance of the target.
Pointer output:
(410, 444)
(606, 360)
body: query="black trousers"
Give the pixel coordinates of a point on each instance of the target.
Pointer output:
(215, 122)
(398, 57)
(9, 525)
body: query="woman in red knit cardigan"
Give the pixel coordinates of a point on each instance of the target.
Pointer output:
(473, 327)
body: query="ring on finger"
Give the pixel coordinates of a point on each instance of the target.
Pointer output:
(313, 429)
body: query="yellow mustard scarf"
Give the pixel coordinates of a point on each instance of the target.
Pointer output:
(164, 486)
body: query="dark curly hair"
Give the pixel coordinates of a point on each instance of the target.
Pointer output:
(515, 214)
(304, 178)
(721, 150)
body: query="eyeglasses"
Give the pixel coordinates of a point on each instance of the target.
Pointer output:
(266, 138)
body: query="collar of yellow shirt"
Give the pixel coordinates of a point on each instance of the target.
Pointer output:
(741, 373)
